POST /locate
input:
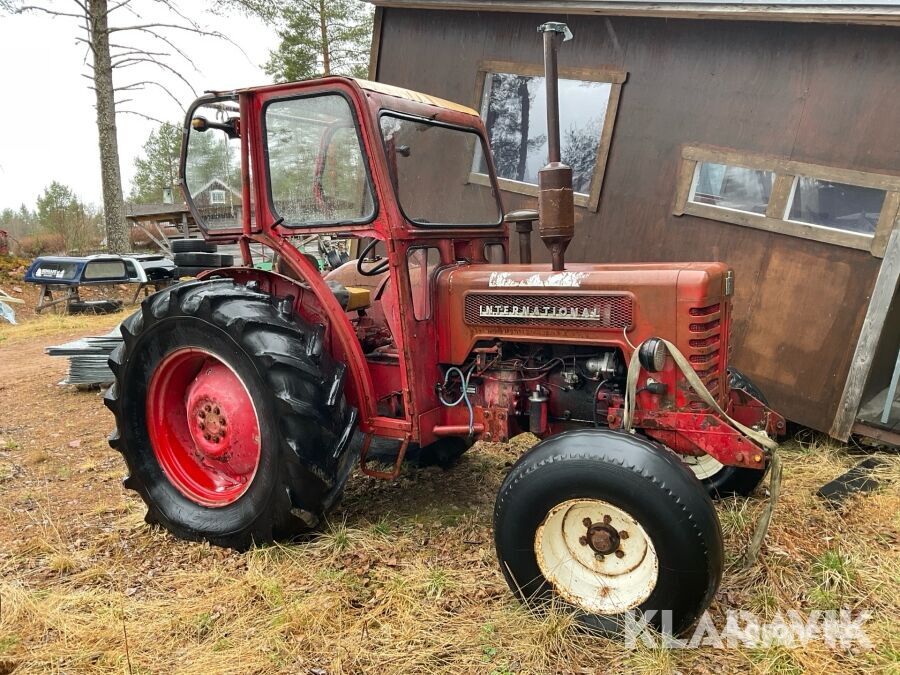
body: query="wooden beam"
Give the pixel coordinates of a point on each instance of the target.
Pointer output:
(609, 123)
(162, 247)
(781, 192)
(707, 153)
(792, 228)
(886, 221)
(882, 294)
(375, 49)
(866, 14)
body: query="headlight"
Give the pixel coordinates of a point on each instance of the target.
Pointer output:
(652, 354)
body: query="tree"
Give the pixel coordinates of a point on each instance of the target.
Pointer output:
(158, 168)
(508, 123)
(579, 151)
(61, 213)
(18, 223)
(92, 17)
(318, 37)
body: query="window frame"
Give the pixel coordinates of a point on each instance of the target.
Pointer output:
(387, 112)
(612, 76)
(367, 161)
(429, 278)
(776, 218)
(216, 233)
(213, 201)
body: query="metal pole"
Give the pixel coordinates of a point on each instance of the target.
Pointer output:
(555, 197)
(551, 80)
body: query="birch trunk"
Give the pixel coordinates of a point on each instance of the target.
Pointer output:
(117, 236)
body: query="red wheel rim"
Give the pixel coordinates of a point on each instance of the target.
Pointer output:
(203, 427)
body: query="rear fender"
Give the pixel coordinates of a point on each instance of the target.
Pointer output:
(312, 308)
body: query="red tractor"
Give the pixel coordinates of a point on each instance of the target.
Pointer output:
(244, 399)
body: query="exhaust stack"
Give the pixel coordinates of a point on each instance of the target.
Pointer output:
(556, 201)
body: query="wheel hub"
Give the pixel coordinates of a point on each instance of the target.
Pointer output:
(596, 556)
(603, 538)
(203, 427)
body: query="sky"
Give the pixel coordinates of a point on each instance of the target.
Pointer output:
(47, 121)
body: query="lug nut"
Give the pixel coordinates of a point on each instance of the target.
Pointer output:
(202, 414)
(599, 556)
(216, 410)
(620, 553)
(607, 519)
(586, 522)
(207, 407)
(206, 436)
(623, 534)
(202, 425)
(582, 540)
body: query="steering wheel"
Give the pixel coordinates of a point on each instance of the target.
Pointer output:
(378, 268)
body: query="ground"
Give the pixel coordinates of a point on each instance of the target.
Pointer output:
(403, 579)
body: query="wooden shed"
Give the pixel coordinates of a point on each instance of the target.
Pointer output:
(766, 135)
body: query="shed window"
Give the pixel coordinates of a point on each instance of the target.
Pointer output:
(217, 196)
(837, 205)
(732, 187)
(513, 105)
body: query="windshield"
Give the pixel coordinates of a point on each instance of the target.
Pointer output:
(317, 168)
(212, 167)
(430, 168)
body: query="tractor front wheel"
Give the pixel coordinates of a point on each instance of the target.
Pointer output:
(227, 413)
(609, 525)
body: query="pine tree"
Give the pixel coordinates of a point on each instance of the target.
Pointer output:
(157, 169)
(318, 37)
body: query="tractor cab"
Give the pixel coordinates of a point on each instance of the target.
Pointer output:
(403, 179)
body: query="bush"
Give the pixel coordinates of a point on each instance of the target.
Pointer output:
(40, 244)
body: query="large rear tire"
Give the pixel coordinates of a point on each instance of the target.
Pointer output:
(610, 525)
(229, 415)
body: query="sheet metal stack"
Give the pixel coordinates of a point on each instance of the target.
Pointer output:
(87, 358)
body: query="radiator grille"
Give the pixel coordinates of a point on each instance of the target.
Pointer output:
(704, 354)
(572, 311)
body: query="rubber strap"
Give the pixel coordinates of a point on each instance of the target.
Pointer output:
(634, 369)
(760, 438)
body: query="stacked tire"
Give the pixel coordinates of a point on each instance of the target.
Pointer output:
(193, 256)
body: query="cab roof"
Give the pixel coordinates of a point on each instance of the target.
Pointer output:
(376, 88)
(409, 94)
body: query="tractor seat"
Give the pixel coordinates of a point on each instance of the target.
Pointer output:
(351, 298)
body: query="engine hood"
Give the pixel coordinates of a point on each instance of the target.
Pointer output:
(585, 304)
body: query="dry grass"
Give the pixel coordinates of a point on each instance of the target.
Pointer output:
(53, 324)
(402, 580)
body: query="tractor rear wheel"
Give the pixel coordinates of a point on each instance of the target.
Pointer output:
(610, 525)
(729, 481)
(228, 413)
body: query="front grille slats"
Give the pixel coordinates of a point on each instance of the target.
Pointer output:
(573, 311)
(704, 351)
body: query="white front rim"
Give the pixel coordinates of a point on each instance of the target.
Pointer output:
(703, 466)
(608, 583)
